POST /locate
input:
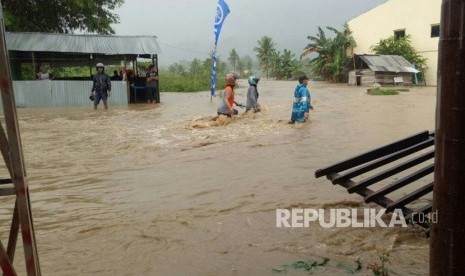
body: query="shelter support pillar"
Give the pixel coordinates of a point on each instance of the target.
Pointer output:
(447, 252)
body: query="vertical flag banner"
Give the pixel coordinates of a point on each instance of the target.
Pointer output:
(222, 10)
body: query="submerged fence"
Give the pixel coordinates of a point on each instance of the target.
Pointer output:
(49, 93)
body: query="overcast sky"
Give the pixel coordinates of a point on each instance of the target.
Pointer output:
(185, 27)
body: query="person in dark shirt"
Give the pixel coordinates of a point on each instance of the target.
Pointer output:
(116, 76)
(152, 78)
(101, 88)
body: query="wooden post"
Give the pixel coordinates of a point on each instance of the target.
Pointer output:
(18, 171)
(34, 66)
(447, 251)
(126, 80)
(155, 62)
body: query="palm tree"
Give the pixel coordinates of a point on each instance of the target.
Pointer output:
(332, 52)
(276, 65)
(265, 50)
(287, 60)
(233, 59)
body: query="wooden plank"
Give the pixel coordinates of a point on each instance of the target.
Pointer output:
(381, 201)
(423, 210)
(383, 161)
(401, 183)
(411, 197)
(4, 149)
(14, 230)
(5, 263)
(6, 181)
(8, 191)
(374, 154)
(390, 172)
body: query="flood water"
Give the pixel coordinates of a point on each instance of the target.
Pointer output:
(165, 190)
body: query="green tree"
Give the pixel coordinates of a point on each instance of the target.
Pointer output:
(286, 65)
(177, 69)
(246, 65)
(233, 59)
(401, 47)
(265, 52)
(60, 16)
(195, 68)
(332, 52)
(276, 65)
(240, 67)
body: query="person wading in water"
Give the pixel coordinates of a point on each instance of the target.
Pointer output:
(101, 88)
(226, 104)
(302, 99)
(252, 95)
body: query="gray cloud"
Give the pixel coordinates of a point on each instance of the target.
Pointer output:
(185, 27)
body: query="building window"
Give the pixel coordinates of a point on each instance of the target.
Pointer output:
(399, 34)
(435, 31)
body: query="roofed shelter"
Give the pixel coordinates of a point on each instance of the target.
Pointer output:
(386, 70)
(69, 50)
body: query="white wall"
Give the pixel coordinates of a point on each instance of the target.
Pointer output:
(415, 16)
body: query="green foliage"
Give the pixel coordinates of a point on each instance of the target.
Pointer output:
(380, 269)
(61, 16)
(401, 47)
(308, 266)
(64, 72)
(177, 78)
(234, 59)
(286, 65)
(265, 52)
(332, 52)
(189, 83)
(244, 66)
(178, 69)
(382, 92)
(247, 63)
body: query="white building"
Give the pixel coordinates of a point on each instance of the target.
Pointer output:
(418, 18)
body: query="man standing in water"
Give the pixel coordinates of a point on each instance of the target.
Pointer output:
(152, 78)
(101, 88)
(301, 107)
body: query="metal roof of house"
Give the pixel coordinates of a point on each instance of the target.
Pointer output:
(85, 44)
(388, 63)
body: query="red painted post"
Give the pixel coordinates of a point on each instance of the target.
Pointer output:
(18, 171)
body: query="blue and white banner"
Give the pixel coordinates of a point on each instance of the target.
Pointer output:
(222, 10)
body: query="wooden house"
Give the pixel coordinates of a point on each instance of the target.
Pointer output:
(385, 70)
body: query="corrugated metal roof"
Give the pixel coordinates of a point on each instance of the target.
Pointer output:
(388, 63)
(86, 44)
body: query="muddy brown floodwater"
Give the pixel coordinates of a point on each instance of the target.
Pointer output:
(167, 191)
